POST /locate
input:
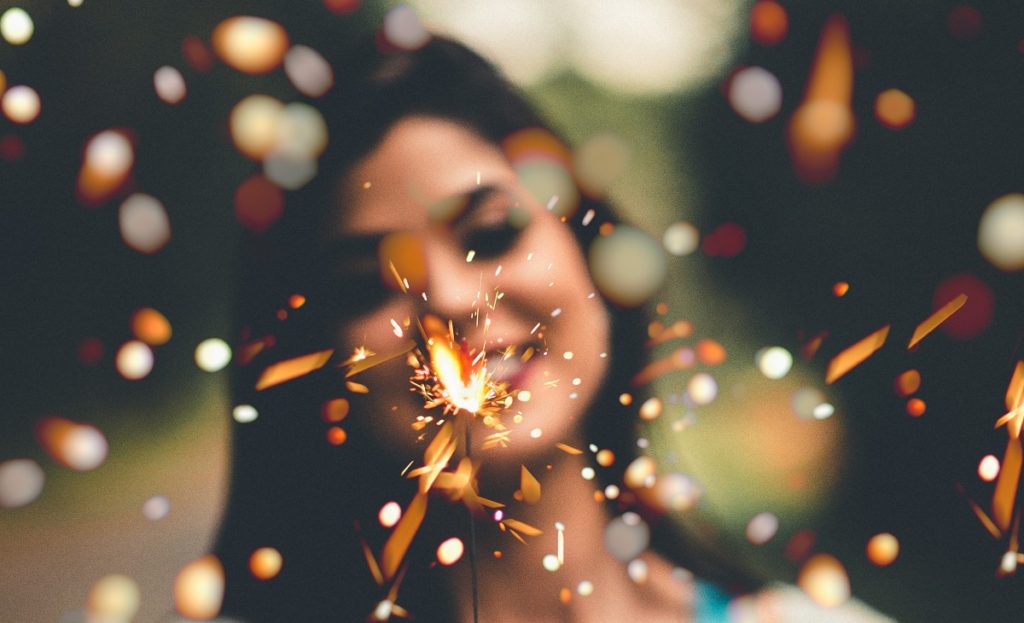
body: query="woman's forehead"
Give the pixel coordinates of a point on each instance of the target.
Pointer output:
(419, 162)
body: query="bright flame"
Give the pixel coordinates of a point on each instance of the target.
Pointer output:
(464, 382)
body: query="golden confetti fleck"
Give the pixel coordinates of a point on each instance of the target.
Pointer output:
(356, 388)
(564, 595)
(199, 588)
(933, 321)
(852, 356)
(882, 549)
(291, 369)
(529, 485)
(840, 288)
(1006, 486)
(525, 528)
(265, 563)
(605, 458)
(568, 449)
(1014, 419)
(824, 579)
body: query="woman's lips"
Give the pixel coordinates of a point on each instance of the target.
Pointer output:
(512, 370)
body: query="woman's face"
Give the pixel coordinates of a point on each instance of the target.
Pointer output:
(440, 193)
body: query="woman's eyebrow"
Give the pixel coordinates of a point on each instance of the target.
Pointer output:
(460, 206)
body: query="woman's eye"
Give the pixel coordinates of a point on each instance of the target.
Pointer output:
(491, 241)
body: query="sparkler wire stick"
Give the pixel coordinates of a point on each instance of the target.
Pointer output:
(472, 539)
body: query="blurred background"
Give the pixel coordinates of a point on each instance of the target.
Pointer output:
(807, 172)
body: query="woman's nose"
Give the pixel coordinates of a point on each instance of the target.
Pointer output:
(453, 283)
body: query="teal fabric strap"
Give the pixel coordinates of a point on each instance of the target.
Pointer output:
(712, 604)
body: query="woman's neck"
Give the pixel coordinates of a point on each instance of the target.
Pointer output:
(517, 587)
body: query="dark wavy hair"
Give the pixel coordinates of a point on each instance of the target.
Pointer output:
(292, 490)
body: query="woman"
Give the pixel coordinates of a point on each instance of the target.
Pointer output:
(420, 182)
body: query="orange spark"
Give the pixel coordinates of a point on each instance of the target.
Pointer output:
(932, 322)
(290, 369)
(1006, 485)
(823, 124)
(854, 355)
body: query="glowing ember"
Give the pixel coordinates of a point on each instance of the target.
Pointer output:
(824, 579)
(151, 326)
(108, 161)
(114, 598)
(134, 360)
(250, 44)
(908, 382)
(80, 447)
(823, 124)
(199, 588)
(265, 563)
(768, 22)
(894, 109)
(651, 409)
(450, 551)
(389, 514)
(988, 468)
(883, 549)
(21, 104)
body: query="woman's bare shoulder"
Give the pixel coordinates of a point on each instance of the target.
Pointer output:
(788, 604)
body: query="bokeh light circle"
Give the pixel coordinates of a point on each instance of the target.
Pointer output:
(450, 551)
(626, 537)
(627, 265)
(774, 362)
(212, 354)
(308, 71)
(114, 598)
(1001, 232)
(21, 104)
(21, 482)
(144, 223)
(755, 94)
(169, 84)
(681, 238)
(16, 26)
(134, 360)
